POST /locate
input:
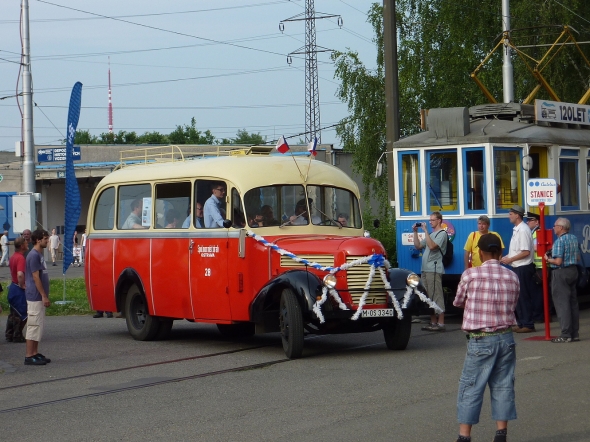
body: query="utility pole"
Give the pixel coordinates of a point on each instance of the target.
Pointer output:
(391, 91)
(110, 101)
(28, 141)
(310, 50)
(507, 69)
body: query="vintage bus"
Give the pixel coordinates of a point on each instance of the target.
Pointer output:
(477, 161)
(251, 242)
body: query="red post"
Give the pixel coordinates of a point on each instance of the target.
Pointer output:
(544, 241)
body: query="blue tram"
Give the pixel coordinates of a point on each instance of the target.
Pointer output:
(476, 161)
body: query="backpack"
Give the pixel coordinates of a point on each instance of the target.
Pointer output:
(447, 258)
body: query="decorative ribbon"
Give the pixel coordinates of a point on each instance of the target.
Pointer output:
(376, 261)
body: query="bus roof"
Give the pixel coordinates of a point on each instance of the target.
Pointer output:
(245, 172)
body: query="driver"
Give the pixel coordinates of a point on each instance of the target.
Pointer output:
(301, 216)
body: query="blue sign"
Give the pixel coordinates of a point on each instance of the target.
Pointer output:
(56, 154)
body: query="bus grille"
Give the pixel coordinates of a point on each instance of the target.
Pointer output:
(323, 260)
(357, 277)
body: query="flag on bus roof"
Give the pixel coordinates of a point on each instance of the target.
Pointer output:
(72, 203)
(282, 145)
(311, 147)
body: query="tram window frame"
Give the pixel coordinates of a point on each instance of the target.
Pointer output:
(467, 181)
(588, 179)
(453, 186)
(417, 180)
(504, 208)
(565, 186)
(203, 190)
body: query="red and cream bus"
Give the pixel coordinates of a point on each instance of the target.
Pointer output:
(252, 243)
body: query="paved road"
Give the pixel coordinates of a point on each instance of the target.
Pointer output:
(102, 385)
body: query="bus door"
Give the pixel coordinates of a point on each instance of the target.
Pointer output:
(208, 255)
(209, 275)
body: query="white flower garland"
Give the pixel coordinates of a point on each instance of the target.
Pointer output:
(376, 261)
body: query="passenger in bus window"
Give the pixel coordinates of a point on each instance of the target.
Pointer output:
(343, 219)
(268, 218)
(172, 219)
(133, 221)
(199, 221)
(214, 205)
(301, 216)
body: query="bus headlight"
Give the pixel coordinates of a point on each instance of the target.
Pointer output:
(330, 281)
(413, 280)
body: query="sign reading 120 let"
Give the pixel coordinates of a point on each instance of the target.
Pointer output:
(541, 190)
(557, 112)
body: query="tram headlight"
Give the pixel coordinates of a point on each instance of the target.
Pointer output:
(330, 281)
(413, 280)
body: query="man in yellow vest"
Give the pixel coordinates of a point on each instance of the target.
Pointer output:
(537, 289)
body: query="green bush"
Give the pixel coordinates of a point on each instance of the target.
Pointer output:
(75, 292)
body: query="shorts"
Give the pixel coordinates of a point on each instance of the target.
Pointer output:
(36, 321)
(433, 284)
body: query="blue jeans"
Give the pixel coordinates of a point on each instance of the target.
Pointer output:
(490, 360)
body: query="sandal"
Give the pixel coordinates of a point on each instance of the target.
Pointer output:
(561, 340)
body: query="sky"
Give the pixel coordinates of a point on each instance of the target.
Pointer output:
(222, 62)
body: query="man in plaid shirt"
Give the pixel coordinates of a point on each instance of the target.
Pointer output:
(488, 294)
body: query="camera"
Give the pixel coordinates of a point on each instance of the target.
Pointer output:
(418, 225)
(549, 254)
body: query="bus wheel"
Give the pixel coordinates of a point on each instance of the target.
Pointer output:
(164, 330)
(141, 325)
(291, 325)
(241, 330)
(397, 332)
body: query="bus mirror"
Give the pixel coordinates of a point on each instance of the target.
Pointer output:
(376, 223)
(227, 223)
(379, 170)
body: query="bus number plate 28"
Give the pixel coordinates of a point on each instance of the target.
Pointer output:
(377, 312)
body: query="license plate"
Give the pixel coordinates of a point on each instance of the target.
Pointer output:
(377, 313)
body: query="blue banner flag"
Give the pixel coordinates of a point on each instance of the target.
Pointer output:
(73, 203)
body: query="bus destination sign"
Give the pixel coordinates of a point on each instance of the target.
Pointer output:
(541, 190)
(56, 154)
(557, 112)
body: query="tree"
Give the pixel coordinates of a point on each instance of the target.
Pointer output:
(190, 135)
(83, 137)
(440, 43)
(243, 137)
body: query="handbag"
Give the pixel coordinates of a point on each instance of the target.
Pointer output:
(583, 275)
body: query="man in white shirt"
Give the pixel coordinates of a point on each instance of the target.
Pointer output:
(4, 243)
(53, 245)
(520, 258)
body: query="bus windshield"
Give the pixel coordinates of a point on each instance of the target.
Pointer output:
(291, 205)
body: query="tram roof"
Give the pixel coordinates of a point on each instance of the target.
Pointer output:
(245, 171)
(493, 129)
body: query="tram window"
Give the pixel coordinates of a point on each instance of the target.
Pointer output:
(475, 197)
(135, 211)
(588, 180)
(104, 212)
(172, 202)
(568, 178)
(410, 182)
(442, 181)
(507, 172)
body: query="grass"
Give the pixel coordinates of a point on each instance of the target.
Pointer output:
(75, 292)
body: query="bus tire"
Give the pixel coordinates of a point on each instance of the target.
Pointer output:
(241, 330)
(164, 329)
(141, 325)
(397, 332)
(291, 324)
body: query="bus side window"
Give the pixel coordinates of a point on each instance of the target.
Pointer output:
(104, 212)
(172, 203)
(238, 217)
(135, 207)
(212, 194)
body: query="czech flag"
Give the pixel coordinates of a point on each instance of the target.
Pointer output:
(311, 147)
(282, 145)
